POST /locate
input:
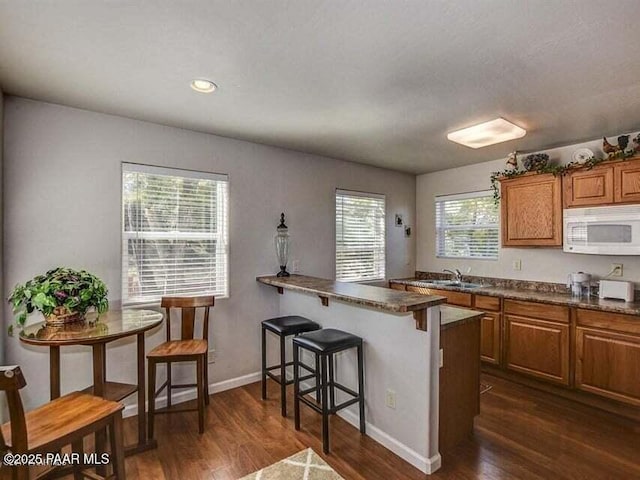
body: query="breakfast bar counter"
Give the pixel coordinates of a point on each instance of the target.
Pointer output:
(378, 298)
(401, 333)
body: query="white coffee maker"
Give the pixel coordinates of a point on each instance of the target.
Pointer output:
(580, 284)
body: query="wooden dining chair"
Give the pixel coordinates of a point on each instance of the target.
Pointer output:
(187, 349)
(61, 422)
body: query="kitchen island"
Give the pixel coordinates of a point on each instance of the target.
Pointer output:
(401, 331)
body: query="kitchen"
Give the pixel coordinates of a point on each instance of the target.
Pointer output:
(491, 293)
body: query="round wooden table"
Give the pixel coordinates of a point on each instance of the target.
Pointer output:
(97, 332)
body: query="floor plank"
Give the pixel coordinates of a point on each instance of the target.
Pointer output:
(521, 434)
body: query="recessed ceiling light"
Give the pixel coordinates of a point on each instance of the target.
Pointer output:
(487, 133)
(203, 86)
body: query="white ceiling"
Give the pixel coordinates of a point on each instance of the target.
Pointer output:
(378, 82)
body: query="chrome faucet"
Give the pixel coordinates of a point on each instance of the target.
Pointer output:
(456, 275)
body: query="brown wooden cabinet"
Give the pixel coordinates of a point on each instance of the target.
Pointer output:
(532, 211)
(490, 328)
(490, 332)
(460, 299)
(397, 286)
(627, 181)
(537, 348)
(609, 183)
(537, 340)
(608, 364)
(589, 187)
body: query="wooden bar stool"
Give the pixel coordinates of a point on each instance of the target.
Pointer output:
(325, 344)
(187, 349)
(283, 327)
(63, 421)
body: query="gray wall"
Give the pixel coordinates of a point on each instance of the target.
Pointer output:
(2, 323)
(62, 207)
(545, 264)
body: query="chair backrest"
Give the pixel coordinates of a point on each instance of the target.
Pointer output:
(188, 316)
(11, 381)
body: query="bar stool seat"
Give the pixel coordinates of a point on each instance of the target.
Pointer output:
(328, 340)
(325, 344)
(283, 327)
(290, 325)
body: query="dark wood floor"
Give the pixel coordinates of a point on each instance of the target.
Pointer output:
(520, 434)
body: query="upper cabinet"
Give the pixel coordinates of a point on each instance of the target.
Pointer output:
(589, 187)
(531, 211)
(606, 184)
(626, 179)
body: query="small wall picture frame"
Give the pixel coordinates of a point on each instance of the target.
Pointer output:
(407, 231)
(399, 220)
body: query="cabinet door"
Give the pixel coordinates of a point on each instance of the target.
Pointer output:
(588, 187)
(459, 299)
(537, 348)
(532, 211)
(608, 364)
(627, 182)
(490, 338)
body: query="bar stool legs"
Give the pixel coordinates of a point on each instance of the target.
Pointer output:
(284, 327)
(264, 364)
(324, 346)
(363, 428)
(283, 377)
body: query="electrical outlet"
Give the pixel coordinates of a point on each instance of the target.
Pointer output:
(517, 265)
(295, 266)
(616, 269)
(390, 399)
(211, 357)
(441, 358)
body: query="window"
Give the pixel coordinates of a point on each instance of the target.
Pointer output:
(467, 226)
(360, 239)
(174, 233)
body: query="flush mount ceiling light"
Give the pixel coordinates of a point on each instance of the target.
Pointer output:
(203, 86)
(487, 133)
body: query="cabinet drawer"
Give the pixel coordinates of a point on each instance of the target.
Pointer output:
(537, 348)
(543, 311)
(485, 302)
(609, 321)
(608, 364)
(453, 298)
(397, 286)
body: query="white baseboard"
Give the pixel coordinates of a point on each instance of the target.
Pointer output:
(190, 394)
(422, 463)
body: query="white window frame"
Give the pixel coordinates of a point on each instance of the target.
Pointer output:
(439, 204)
(221, 235)
(383, 260)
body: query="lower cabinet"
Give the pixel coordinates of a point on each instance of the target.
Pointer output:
(490, 338)
(608, 363)
(538, 348)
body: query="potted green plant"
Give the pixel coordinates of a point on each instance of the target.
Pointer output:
(63, 295)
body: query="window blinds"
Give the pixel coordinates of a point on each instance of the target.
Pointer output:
(467, 226)
(360, 236)
(174, 236)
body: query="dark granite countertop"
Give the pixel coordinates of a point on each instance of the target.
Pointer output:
(452, 316)
(380, 298)
(529, 294)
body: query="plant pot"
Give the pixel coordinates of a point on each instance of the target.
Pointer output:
(63, 316)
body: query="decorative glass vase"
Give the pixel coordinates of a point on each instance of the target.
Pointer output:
(282, 243)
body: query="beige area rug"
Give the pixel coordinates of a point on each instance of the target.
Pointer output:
(305, 465)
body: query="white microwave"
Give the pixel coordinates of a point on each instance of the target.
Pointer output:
(602, 230)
